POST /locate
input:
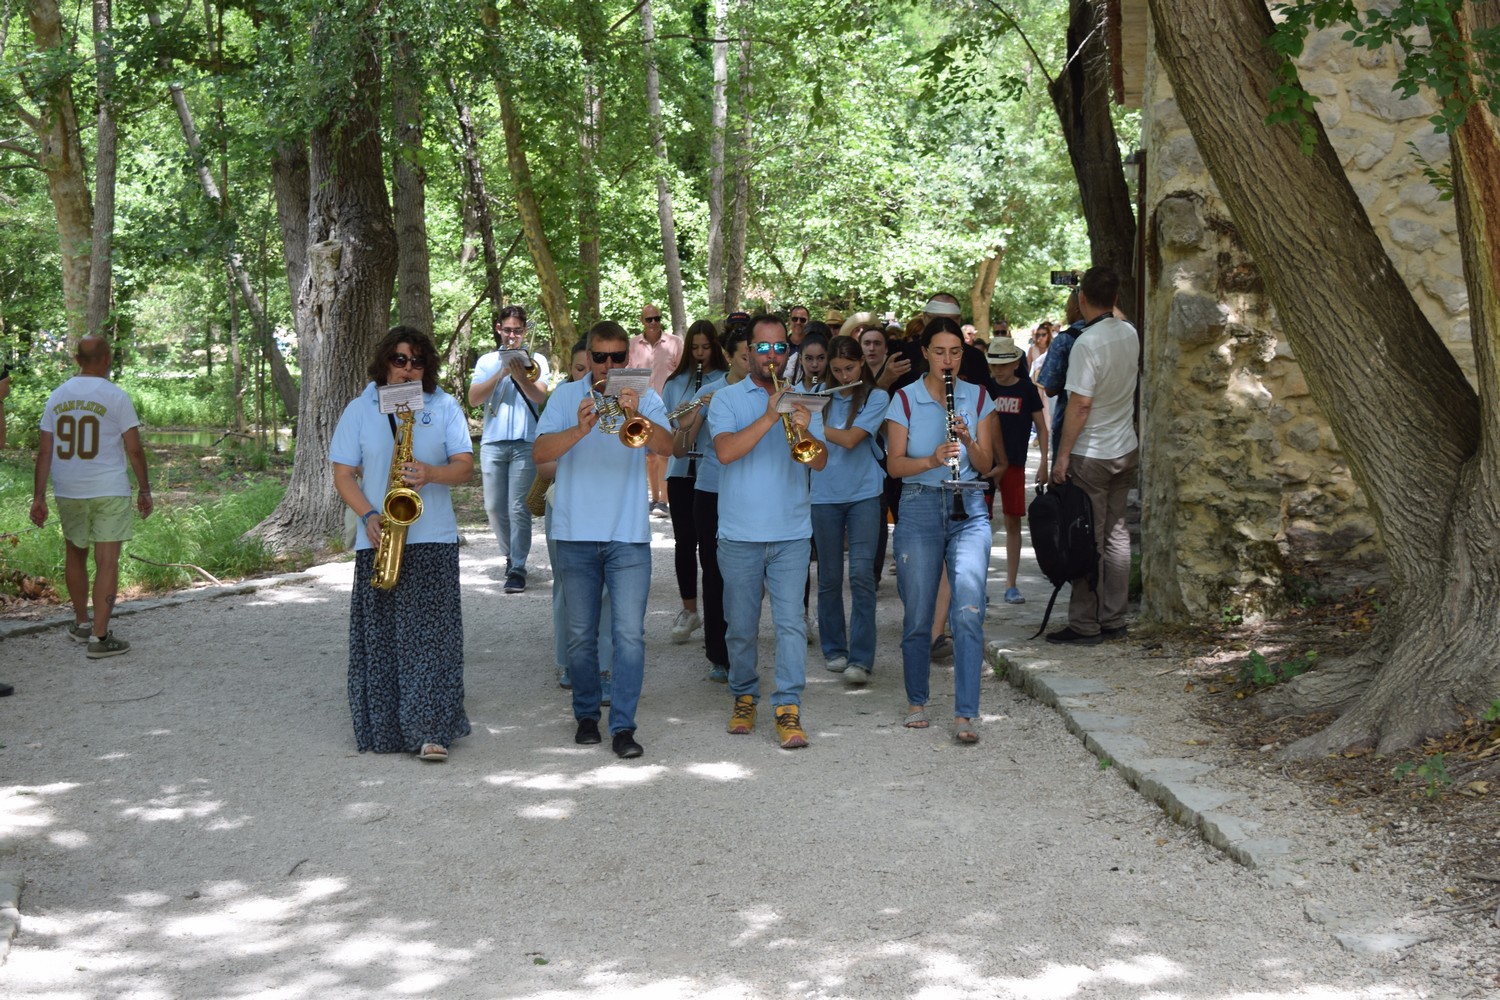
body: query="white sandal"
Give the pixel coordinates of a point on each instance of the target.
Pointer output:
(433, 751)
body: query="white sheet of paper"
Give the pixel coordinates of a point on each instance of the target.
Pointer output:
(621, 379)
(815, 402)
(394, 397)
(513, 354)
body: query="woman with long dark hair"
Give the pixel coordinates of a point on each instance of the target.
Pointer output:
(846, 504)
(929, 445)
(406, 643)
(702, 364)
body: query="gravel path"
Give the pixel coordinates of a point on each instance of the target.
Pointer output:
(191, 821)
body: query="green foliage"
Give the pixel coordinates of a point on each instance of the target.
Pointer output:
(1231, 616)
(1433, 770)
(1492, 714)
(1259, 672)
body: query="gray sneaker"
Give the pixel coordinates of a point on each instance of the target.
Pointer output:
(81, 633)
(108, 646)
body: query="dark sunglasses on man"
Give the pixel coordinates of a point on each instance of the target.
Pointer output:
(618, 357)
(651, 319)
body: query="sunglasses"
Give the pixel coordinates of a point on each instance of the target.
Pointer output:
(402, 361)
(618, 357)
(799, 319)
(766, 347)
(651, 319)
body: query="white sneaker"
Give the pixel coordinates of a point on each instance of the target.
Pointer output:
(857, 675)
(837, 664)
(684, 625)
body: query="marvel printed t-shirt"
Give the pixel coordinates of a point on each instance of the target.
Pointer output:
(927, 426)
(1102, 366)
(763, 496)
(508, 414)
(599, 494)
(86, 416)
(1016, 404)
(852, 473)
(363, 438)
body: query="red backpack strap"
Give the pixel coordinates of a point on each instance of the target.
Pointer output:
(906, 406)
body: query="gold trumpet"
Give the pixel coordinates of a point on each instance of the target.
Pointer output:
(805, 447)
(403, 505)
(630, 427)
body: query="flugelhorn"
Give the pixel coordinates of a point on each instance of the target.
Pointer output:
(630, 427)
(805, 447)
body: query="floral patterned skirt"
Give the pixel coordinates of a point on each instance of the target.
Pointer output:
(406, 653)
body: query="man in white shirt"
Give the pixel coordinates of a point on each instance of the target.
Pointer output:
(511, 401)
(88, 431)
(660, 351)
(1100, 451)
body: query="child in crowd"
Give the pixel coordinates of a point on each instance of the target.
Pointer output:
(1020, 408)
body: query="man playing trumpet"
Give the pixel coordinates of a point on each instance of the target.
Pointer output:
(764, 529)
(601, 543)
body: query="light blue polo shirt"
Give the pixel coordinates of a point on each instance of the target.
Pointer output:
(927, 427)
(600, 492)
(763, 497)
(678, 390)
(362, 438)
(852, 473)
(507, 417)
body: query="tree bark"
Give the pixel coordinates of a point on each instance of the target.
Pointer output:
(1418, 440)
(716, 154)
(290, 183)
(1081, 96)
(344, 304)
(590, 38)
(478, 201)
(408, 187)
(106, 161)
(663, 170)
(734, 278)
(234, 263)
(982, 292)
(61, 159)
(554, 297)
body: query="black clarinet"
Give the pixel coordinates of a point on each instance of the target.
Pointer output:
(697, 384)
(959, 514)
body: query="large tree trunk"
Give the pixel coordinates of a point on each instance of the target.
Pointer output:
(234, 262)
(61, 158)
(1418, 440)
(290, 183)
(1081, 97)
(106, 161)
(716, 155)
(734, 278)
(344, 304)
(982, 292)
(408, 188)
(478, 202)
(554, 297)
(590, 39)
(663, 170)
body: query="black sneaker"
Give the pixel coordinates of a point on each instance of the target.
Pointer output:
(515, 583)
(1068, 637)
(1111, 634)
(588, 732)
(625, 744)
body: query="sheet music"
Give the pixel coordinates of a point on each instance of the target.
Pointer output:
(621, 379)
(814, 401)
(392, 397)
(509, 354)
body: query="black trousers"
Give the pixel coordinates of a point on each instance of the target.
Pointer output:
(685, 535)
(711, 608)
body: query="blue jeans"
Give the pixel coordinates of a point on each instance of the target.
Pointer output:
(560, 613)
(778, 569)
(507, 471)
(925, 538)
(861, 519)
(585, 569)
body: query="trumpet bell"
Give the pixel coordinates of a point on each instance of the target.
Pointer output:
(636, 431)
(807, 450)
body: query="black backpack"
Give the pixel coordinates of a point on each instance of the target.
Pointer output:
(1061, 519)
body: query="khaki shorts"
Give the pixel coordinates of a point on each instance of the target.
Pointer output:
(99, 519)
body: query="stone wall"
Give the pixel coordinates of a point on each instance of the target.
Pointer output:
(1245, 496)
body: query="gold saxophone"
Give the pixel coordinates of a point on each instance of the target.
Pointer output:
(403, 505)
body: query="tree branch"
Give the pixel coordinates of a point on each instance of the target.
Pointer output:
(632, 12)
(15, 147)
(1027, 41)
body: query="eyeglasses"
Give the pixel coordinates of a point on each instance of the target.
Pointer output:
(650, 319)
(401, 361)
(618, 357)
(514, 331)
(799, 319)
(766, 347)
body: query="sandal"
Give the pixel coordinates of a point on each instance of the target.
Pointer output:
(964, 731)
(916, 720)
(433, 751)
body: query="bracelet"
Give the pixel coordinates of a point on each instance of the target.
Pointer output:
(365, 517)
